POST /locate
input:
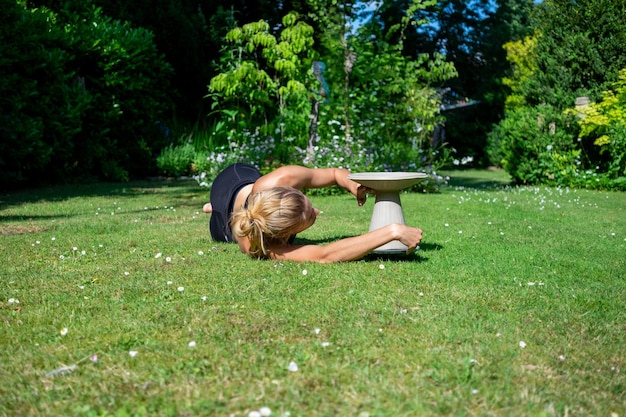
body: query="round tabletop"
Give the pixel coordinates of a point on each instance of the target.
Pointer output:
(387, 181)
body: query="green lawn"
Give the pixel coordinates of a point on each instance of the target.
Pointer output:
(513, 306)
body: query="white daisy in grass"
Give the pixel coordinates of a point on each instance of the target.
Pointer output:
(381, 266)
(192, 344)
(265, 411)
(181, 289)
(293, 367)
(304, 272)
(522, 344)
(132, 353)
(63, 331)
(158, 255)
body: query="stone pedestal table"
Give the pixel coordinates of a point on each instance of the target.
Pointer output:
(388, 208)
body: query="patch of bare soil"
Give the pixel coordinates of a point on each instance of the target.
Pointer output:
(20, 229)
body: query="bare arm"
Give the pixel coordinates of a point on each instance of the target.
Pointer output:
(350, 248)
(301, 177)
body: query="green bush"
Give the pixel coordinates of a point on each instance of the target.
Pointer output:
(80, 97)
(582, 147)
(41, 98)
(603, 126)
(177, 160)
(128, 83)
(536, 145)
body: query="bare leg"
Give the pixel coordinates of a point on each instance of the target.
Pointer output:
(208, 208)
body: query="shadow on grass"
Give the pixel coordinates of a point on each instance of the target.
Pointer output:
(479, 179)
(37, 217)
(416, 256)
(383, 257)
(27, 217)
(178, 190)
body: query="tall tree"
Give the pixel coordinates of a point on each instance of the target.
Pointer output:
(471, 35)
(582, 54)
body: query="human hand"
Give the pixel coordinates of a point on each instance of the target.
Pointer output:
(411, 237)
(361, 194)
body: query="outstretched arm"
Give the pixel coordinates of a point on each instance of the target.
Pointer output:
(301, 177)
(350, 248)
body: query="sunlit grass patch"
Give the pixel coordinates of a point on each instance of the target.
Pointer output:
(122, 304)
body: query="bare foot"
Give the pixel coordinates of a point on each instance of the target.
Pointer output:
(208, 208)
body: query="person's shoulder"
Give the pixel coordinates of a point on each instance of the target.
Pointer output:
(288, 175)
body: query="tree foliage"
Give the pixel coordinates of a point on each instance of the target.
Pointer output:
(604, 123)
(267, 77)
(353, 81)
(470, 34)
(580, 57)
(81, 97)
(401, 90)
(384, 103)
(379, 106)
(521, 54)
(40, 99)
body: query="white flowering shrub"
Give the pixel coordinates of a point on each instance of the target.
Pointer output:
(251, 148)
(335, 149)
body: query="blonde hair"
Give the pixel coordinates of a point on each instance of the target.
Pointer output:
(273, 214)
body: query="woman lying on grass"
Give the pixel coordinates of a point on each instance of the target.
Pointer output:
(263, 213)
